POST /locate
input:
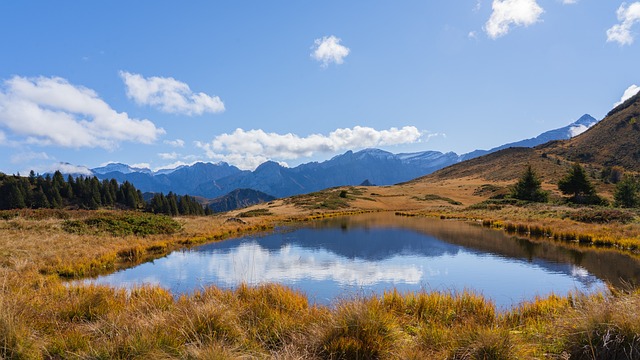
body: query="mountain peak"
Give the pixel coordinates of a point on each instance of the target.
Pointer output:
(586, 120)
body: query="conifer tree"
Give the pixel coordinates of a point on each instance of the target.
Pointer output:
(626, 193)
(529, 187)
(577, 185)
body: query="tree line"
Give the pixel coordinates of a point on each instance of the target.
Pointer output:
(56, 192)
(579, 189)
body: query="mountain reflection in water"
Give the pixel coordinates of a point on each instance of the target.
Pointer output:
(371, 253)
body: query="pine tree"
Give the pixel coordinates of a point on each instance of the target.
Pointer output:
(626, 193)
(11, 196)
(577, 185)
(39, 199)
(529, 187)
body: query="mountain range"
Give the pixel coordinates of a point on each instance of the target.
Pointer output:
(613, 141)
(379, 167)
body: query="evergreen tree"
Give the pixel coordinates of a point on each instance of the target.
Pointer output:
(32, 177)
(626, 193)
(577, 185)
(11, 196)
(39, 199)
(529, 187)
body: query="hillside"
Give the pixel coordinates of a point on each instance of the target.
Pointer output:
(237, 199)
(347, 169)
(611, 142)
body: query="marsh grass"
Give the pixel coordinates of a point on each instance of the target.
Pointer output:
(272, 321)
(43, 317)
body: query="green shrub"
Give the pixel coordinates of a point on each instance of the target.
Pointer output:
(122, 224)
(601, 216)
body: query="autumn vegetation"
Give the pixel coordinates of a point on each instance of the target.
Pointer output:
(46, 312)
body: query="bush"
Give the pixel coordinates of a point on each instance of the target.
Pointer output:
(122, 224)
(601, 216)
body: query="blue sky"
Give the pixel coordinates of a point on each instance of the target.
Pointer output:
(162, 83)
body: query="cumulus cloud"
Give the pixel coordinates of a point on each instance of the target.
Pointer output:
(248, 149)
(168, 156)
(174, 165)
(169, 95)
(630, 92)
(329, 50)
(25, 157)
(67, 168)
(178, 143)
(51, 111)
(141, 166)
(577, 130)
(511, 12)
(628, 16)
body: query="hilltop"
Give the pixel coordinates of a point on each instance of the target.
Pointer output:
(611, 142)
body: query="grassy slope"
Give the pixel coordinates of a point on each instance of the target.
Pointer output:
(42, 318)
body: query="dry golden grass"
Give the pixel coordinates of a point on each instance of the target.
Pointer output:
(41, 317)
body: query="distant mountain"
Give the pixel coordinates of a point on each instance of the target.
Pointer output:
(237, 199)
(613, 141)
(563, 133)
(351, 168)
(121, 168)
(182, 180)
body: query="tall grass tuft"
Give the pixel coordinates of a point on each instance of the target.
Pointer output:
(360, 329)
(608, 329)
(485, 344)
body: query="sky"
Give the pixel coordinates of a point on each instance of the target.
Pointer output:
(158, 84)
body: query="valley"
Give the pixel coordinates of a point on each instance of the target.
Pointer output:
(43, 316)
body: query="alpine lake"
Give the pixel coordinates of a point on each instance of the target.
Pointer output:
(364, 255)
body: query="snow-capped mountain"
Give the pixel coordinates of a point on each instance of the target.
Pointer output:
(351, 168)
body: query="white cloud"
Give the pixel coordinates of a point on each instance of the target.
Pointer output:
(511, 12)
(168, 156)
(51, 111)
(329, 50)
(248, 149)
(169, 95)
(577, 130)
(630, 92)
(178, 143)
(67, 168)
(569, 2)
(141, 166)
(26, 157)
(472, 35)
(174, 165)
(628, 16)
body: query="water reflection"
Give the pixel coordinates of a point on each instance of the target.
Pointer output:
(371, 253)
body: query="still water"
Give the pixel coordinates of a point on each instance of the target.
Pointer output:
(367, 254)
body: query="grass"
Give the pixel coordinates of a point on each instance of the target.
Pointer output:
(331, 199)
(434, 197)
(273, 321)
(123, 224)
(254, 213)
(43, 318)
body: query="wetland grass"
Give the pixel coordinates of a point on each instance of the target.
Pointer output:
(42, 317)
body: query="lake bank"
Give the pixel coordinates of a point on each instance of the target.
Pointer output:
(41, 317)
